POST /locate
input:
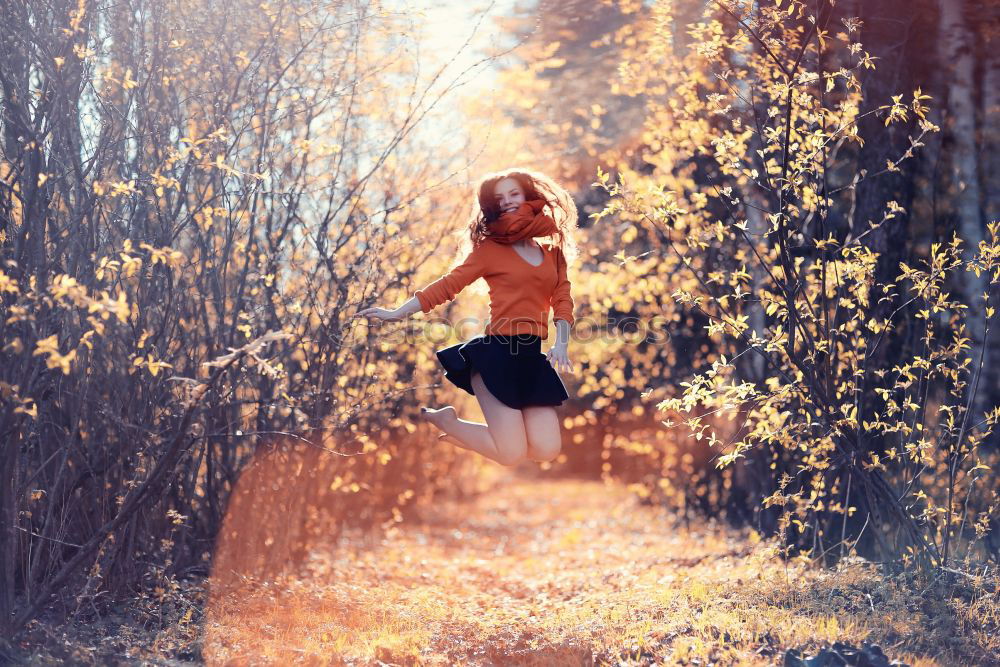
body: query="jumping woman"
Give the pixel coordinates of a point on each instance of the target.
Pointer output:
(521, 241)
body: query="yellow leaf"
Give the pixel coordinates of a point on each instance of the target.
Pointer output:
(127, 81)
(31, 411)
(46, 345)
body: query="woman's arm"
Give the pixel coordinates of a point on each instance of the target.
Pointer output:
(399, 313)
(440, 291)
(558, 354)
(562, 333)
(448, 286)
(562, 309)
(562, 300)
(411, 306)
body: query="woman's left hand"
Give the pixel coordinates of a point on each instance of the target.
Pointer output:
(559, 357)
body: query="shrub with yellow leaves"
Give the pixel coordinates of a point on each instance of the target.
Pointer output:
(840, 387)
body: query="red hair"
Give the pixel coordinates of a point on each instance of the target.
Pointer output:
(536, 185)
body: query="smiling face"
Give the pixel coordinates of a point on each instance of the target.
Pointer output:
(508, 195)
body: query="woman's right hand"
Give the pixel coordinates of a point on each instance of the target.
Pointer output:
(376, 313)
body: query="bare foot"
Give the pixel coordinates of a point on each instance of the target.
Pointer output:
(441, 417)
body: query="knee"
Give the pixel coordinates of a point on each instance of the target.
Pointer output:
(511, 462)
(546, 451)
(511, 457)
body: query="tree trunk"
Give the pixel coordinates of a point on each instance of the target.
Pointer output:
(894, 31)
(989, 172)
(990, 155)
(957, 48)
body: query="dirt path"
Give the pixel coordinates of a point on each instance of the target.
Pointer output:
(544, 572)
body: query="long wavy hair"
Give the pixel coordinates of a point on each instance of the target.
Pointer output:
(536, 185)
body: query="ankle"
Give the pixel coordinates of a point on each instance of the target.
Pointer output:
(441, 417)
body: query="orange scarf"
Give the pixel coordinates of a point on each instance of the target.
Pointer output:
(527, 221)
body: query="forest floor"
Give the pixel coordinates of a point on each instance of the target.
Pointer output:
(570, 572)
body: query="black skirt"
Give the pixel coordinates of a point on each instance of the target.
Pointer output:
(513, 368)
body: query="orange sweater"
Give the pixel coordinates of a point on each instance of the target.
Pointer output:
(520, 294)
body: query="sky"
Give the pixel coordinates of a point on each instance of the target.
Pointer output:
(448, 24)
(459, 36)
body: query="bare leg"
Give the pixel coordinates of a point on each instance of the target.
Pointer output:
(541, 423)
(502, 439)
(448, 421)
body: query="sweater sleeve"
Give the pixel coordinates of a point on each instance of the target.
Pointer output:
(561, 301)
(449, 285)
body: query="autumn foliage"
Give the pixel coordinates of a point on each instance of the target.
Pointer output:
(786, 297)
(827, 375)
(195, 198)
